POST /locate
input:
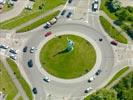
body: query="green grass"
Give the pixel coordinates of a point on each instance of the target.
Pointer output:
(6, 83)
(20, 78)
(112, 31)
(38, 23)
(118, 74)
(67, 65)
(27, 15)
(103, 7)
(6, 8)
(20, 98)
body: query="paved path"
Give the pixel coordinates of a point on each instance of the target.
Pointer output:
(14, 79)
(17, 9)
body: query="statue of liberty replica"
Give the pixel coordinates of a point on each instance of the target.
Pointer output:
(70, 45)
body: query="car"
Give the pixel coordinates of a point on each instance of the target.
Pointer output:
(46, 79)
(30, 63)
(47, 34)
(114, 43)
(98, 72)
(13, 51)
(95, 1)
(91, 79)
(69, 14)
(13, 56)
(95, 6)
(4, 46)
(47, 25)
(34, 90)
(53, 21)
(100, 39)
(69, 1)
(88, 89)
(32, 49)
(63, 12)
(25, 49)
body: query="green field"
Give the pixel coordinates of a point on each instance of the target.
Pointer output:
(7, 8)
(20, 78)
(6, 84)
(112, 31)
(20, 98)
(118, 74)
(67, 65)
(27, 15)
(38, 23)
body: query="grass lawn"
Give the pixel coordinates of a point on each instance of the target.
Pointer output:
(67, 65)
(112, 31)
(6, 8)
(6, 84)
(27, 15)
(38, 23)
(118, 74)
(20, 78)
(20, 98)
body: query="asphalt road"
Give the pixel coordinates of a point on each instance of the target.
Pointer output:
(60, 88)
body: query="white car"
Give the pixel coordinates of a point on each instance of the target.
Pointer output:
(46, 79)
(4, 46)
(13, 56)
(91, 78)
(88, 89)
(32, 49)
(53, 21)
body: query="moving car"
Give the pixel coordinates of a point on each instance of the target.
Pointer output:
(25, 49)
(63, 12)
(95, 6)
(91, 79)
(32, 49)
(13, 56)
(88, 89)
(114, 43)
(13, 51)
(69, 15)
(30, 63)
(98, 72)
(46, 79)
(69, 1)
(48, 33)
(34, 90)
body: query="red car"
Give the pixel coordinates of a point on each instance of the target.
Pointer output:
(47, 34)
(114, 43)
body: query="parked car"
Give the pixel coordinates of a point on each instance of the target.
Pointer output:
(114, 43)
(53, 21)
(25, 49)
(69, 1)
(95, 6)
(30, 63)
(47, 25)
(4, 46)
(63, 12)
(32, 49)
(95, 1)
(69, 14)
(91, 79)
(34, 90)
(98, 72)
(13, 56)
(88, 89)
(48, 33)
(13, 51)
(46, 79)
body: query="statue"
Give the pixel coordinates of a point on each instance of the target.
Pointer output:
(70, 45)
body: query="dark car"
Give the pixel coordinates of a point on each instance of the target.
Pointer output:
(98, 72)
(34, 90)
(63, 12)
(114, 43)
(69, 15)
(47, 34)
(30, 63)
(25, 49)
(69, 1)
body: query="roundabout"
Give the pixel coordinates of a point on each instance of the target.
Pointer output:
(67, 64)
(71, 87)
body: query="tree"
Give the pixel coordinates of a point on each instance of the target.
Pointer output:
(115, 4)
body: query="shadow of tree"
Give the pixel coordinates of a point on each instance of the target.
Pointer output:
(61, 52)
